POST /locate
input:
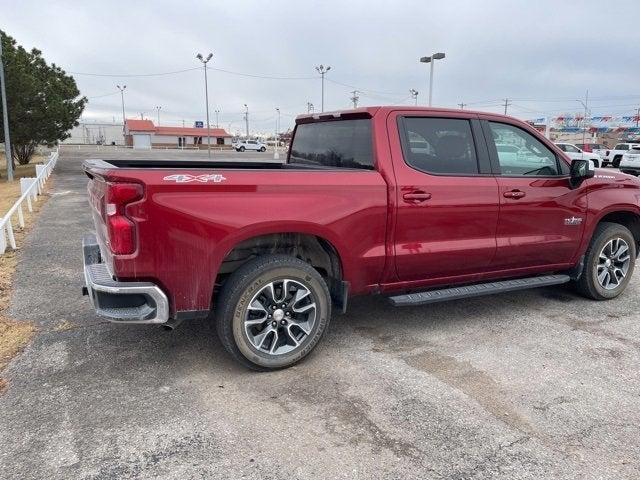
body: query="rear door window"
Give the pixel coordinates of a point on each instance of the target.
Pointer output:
(442, 146)
(333, 144)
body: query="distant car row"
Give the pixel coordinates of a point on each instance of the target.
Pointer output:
(625, 156)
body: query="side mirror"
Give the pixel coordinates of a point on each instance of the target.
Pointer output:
(581, 170)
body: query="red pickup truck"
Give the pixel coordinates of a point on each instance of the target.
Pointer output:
(420, 205)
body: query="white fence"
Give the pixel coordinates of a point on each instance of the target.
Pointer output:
(30, 188)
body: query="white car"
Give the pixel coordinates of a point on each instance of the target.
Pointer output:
(630, 161)
(614, 156)
(574, 153)
(250, 145)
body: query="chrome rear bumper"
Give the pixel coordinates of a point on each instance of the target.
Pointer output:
(120, 302)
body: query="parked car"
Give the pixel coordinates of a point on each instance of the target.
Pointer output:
(575, 153)
(256, 145)
(358, 208)
(630, 161)
(614, 156)
(597, 148)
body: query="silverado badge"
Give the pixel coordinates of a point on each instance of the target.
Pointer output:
(573, 221)
(186, 178)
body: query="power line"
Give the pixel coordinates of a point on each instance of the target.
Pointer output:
(230, 72)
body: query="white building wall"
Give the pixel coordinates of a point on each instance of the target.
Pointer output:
(92, 133)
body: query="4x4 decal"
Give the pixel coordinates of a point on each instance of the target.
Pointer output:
(187, 177)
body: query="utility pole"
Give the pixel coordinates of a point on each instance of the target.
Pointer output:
(217, 112)
(122, 89)
(321, 69)
(206, 96)
(462, 105)
(158, 114)
(309, 107)
(355, 98)
(506, 104)
(8, 154)
(414, 94)
(246, 119)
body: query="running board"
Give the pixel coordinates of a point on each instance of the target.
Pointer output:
(477, 290)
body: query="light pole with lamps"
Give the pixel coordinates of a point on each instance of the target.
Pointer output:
(246, 118)
(414, 95)
(276, 154)
(435, 56)
(206, 95)
(321, 69)
(158, 114)
(217, 112)
(122, 89)
(584, 119)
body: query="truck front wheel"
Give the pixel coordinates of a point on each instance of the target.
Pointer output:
(272, 312)
(609, 262)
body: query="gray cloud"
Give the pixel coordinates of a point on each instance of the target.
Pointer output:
(542, 54)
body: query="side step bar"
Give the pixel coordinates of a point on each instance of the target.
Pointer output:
(477, 290)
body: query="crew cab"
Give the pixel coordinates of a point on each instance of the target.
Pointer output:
(420, 205)
(574, 153)
(614, 156)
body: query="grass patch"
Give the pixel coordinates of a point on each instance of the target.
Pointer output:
(14, 335)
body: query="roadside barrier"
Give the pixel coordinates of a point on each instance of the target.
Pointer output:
(30, 188)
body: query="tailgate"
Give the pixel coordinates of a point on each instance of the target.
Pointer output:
(96, 190)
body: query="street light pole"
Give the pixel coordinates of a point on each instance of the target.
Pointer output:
(206, 96)
(584, 119)
(435, 56)
(217, 112)
(276, 154)
(124, 131)
(321, 69)
(5, 120)
(309, 107)
(414, 95)
(158, 114)
(246, 119)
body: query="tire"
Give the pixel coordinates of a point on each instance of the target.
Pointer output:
(616, 161)
(589, 285)
(242, 329)
(262, 149)
(596, 163)
(241, 149)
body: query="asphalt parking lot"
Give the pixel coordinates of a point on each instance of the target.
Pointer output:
(534, 384)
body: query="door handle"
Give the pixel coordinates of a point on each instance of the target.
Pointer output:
(514, 194)
(416, 196)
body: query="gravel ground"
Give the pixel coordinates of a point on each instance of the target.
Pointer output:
(535, 384)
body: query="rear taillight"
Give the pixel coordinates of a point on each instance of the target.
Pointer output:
(121, 229)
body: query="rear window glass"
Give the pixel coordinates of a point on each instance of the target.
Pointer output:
(335, 144)
(439, 145)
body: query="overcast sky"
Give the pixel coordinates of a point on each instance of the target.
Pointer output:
(540, 54)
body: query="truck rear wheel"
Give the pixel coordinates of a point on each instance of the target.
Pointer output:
(609, 262)
(616, 161)
(272, 312)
